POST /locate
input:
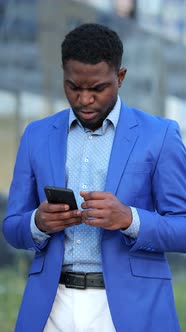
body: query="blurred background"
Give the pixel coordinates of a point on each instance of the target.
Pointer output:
(31, 87)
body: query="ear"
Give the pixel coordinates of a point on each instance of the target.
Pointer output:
(121, 76)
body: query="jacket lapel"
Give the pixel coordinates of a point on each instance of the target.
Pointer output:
(124, 141)
(57, 148)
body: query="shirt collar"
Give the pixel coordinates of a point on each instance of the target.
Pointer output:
(112, 117)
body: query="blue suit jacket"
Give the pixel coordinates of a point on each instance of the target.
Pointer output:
(147, 170)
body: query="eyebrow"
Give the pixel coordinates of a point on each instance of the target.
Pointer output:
(97, 86)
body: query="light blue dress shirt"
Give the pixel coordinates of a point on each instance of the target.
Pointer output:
(88, 154)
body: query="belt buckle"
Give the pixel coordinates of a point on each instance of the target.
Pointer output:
(77, 281)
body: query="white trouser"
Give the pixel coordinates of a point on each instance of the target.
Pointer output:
(77, 310)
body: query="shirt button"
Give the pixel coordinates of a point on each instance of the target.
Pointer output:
(90, 136)
(78, 241)
(84, 186)
(86, 160)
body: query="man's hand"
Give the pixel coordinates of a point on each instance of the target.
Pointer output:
(53, 218)
(103, 209)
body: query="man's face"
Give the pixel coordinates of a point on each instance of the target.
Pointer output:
(91, 90)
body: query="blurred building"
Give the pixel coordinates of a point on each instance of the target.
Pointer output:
(122, 8)
(165, 17)
(31, 32)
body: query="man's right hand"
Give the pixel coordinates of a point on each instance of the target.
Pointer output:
(52, 218)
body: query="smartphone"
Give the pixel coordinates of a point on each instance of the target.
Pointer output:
(57, 195)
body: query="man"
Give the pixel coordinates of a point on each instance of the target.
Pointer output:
(101, 267)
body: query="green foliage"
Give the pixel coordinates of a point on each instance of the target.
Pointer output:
(12, 283)
(180, 299)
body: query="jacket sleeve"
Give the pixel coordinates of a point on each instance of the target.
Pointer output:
(164, 229)
(23, 200)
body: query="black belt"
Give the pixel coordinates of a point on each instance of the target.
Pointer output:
(82, 280)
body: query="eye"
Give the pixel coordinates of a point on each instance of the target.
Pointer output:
(73, 87)
(100, 88)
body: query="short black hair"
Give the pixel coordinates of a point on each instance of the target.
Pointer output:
(92, 43)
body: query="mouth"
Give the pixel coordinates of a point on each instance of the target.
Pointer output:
(87, 115)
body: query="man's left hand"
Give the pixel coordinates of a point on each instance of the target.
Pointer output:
(103, 209)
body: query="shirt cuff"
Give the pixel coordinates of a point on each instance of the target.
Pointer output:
(37, 235)
(133, 229)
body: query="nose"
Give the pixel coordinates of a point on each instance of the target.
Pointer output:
(86, 97)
